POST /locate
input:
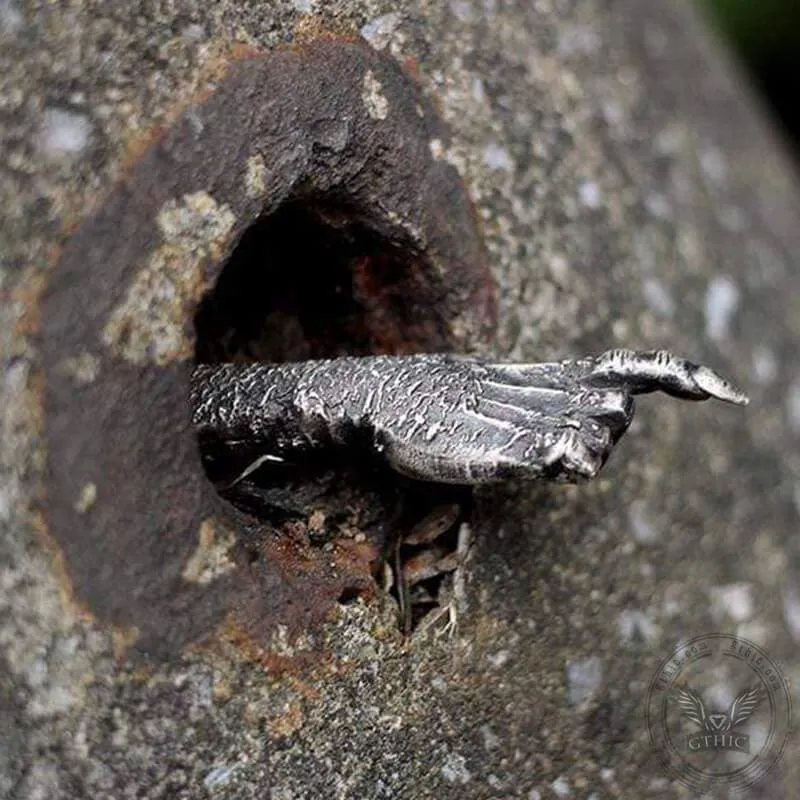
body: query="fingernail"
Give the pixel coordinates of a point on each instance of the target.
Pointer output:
(715, 385)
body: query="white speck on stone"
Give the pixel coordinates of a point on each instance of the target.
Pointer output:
(211, 558)
(534, 794)
(613, 114)
(303, 6)
(590, 194)
(498, 659)
(658, 205)
(379, 31)
(218, 777)
(63, 132)
(196, 123)
(195, 219)
(713, 164)
(578, 40)
(373, 98)
(791, 611)
(722, 300)
(719, 694)
(671, 140)
(255, 177)
(437, 149)
(658, 785)
(454, 769)
(765, 366)
(793, 405)
(430, 434)
(560, 269)
(497, 157)
(561, 787)
(490, 739)
(657, 297)
(11, 19)
(37, 673)
(759, 732)
(87, 498)
(733, 601)
(754, 631)
(640, 526)
(478, 91)
(732, 218)
(635, 625)
(5, 505)
(194, 32)
(462, 10)
(83, 368)
(607, 774)
(583, 680)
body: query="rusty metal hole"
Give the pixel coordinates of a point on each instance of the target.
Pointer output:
(314, 156)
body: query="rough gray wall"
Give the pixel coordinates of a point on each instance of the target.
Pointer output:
(628, 195)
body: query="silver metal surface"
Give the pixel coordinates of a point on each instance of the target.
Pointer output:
(446, 418)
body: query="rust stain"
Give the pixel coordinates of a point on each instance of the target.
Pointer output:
(287, 721)
(27, 297)
(123, 640)
(222, 53)
(59, 568)
(411, 66)
(311, 28)
(136, 144)
(277, 665)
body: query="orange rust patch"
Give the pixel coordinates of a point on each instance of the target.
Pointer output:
(232, 633)
(136, 145)
(311, 27)
(123, 639)
(411, 66)
(59, 567)
(27, 296)
(237, 636)
(222, 54)
(288, 722)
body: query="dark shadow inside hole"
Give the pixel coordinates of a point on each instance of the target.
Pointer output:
(314, 280)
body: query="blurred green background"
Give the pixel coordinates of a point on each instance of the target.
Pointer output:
(766, 35)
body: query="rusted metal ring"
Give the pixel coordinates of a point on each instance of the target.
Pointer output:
(144, 536)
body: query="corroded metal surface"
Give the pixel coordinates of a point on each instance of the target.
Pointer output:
(126, 498)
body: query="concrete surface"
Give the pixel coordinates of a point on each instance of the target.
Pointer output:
(629, 194)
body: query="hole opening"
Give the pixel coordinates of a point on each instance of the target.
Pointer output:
(319, 279)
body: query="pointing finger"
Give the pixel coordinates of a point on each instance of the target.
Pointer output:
(659, 370)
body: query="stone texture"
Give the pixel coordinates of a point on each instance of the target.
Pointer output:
(629, 195)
